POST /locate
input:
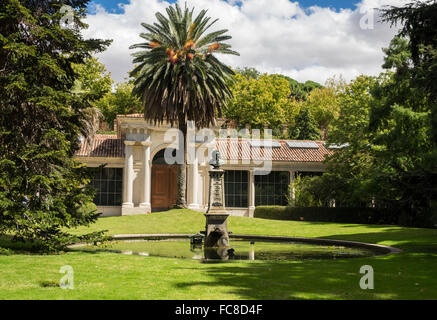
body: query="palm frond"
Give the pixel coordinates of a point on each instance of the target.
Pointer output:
(177, 75)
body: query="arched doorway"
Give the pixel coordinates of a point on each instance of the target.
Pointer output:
(164, 183)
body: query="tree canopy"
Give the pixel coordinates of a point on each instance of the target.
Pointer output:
(269, 99)
(385, 134)
(177, 75)
(42, 189)
(259, 101)
(121, 101)
(305, 127)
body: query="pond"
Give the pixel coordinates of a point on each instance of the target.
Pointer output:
(239, 250)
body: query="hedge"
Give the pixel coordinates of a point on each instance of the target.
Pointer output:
(343, 215)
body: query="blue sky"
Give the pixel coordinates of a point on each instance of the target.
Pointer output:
(112, 5)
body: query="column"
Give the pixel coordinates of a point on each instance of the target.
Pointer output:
(292, 194)
(128, 169)
(145, 197)
(194, 182)
(251, 192)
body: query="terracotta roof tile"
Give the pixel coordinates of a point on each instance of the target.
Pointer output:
(240, 149)
(230, 149)
(102, 145)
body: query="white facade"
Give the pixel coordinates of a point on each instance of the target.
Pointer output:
(142, 141)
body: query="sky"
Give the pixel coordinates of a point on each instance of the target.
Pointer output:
(113, 5)
(304, 39)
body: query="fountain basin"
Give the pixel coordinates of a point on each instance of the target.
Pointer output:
(242, 247)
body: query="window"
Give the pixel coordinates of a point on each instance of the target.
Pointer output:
(272, 189)
(236, 189)
(108, 182)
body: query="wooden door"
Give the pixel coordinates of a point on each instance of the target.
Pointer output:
(164, 186)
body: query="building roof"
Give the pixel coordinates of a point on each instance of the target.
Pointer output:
(240, 149)
(102, 145)
(110, 146)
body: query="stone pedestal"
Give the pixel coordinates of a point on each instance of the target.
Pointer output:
(216, 217)
(216, 230)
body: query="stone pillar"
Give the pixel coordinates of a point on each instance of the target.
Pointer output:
(216, 230)
(251, 193)
(292, 194)
(216, 242)
(129, 173)
(145, 197)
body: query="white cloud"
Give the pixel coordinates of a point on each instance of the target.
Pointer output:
(273, 36)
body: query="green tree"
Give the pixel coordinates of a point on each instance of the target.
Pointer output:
(92, 83)
(299, 196)
(42, 189)
(324, 107)
(389, 125)
(121, 101)
(402, 143)
(299, 91)
(397, 55)
(258, 102)
(178, 76)
(350, 127)
(387, 157)
(250, 73)
(93, 79)
(305, 127)
(352, 162)
(419, 26)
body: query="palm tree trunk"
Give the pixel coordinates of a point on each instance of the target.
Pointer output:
(181, 201)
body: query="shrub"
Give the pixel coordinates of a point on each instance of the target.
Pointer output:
(327, 214)
(302, 197)
(5, 251)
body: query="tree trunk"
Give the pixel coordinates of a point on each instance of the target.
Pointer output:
(181, 201)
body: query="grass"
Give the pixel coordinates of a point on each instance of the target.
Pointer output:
(100, 275)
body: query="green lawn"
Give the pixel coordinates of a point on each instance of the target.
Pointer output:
(408, 275)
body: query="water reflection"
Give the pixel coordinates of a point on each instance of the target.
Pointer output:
(240, 250)
(252, 251)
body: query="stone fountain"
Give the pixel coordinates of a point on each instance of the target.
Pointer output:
(216, 242)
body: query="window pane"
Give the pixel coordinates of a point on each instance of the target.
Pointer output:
(103, 186)
(237, 176)
(111, 186)
(119, 174)
(117, 199)
(108, 182)
(236, 186)
(244, 188)
(231, 188)
(118, 186)
(272, 189)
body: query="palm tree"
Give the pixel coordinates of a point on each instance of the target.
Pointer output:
(178, 77)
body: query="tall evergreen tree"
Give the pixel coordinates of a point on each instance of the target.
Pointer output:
(305, 127)
(419, 25)
(41, 187)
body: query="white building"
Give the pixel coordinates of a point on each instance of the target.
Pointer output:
(137, 179)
